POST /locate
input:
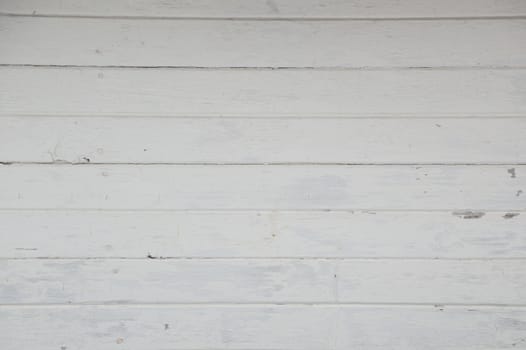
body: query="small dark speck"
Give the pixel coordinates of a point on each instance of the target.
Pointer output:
(519, 192)
(510, 215)
(98, 52)
(511, 171)
(166, 326)
(63, 347)
(86, 159)
(438, 125)
(144, 150)
(150, 256)
(469, 214)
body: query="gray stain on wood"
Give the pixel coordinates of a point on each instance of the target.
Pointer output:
(469, 214)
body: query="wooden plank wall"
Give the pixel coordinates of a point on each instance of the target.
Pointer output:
(251, 174)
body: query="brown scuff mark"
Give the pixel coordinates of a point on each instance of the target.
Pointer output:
(469, 214)
(511, 171)
(510, 215)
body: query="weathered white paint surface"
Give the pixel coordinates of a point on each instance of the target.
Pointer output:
(269, 9)
(235, 140)
(245, 234)
(368, 194)
(262, 93)
(208, 43)
(294, 327)
(223, 187)
(276, 281)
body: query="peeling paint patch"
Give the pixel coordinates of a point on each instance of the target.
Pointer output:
(469, 214)
(510, 215)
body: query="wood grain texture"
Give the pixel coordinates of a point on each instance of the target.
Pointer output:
(255, 281)
(209, 43)
(262, 93)
(191, 140)
(336, 234)
(262, 327)
(262, 187)
(262, 175)
(268, 9)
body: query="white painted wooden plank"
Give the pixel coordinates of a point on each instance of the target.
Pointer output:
(212, 43)
(191, 140)
(262, 327)
(26, 234)
(268, 9)
(263, 93)
(262, 187)
(74, 281)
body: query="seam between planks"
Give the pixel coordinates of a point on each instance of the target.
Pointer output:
(256, 164)
(440, 306)
(330, 258)
(371, 211)
(331, 116)
(268, 18)
(264, 68)
(86, 163)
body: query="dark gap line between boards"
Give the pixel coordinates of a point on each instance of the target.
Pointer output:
(262, 68)
(305, 18)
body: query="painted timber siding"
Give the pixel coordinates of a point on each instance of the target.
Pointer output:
(251, 174)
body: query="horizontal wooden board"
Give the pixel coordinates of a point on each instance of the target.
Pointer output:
(268, 9)
(262, 327)
(262, 187)
(337, 234)
(75, 281)
(212, 43)
(198, 140)
(262, 93)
